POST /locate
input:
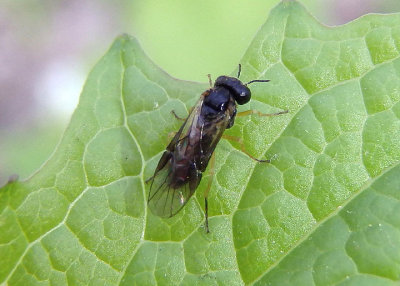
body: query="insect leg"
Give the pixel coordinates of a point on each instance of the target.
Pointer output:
(210, 179)
(240, 141)
(209, 80)
(251, 111)
(176, 116)
(206, 215)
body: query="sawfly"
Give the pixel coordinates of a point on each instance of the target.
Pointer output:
(180, 168)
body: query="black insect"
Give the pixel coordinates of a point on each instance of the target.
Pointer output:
(180, 168)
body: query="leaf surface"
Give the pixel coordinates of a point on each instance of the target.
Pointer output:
(325, 211)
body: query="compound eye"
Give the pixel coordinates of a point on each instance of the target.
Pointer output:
(242, 94)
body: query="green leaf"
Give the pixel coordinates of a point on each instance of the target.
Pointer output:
(325, 211)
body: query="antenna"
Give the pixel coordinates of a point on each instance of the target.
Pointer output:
(258, 80)
(255, 80)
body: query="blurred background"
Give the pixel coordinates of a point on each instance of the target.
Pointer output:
(48, 47)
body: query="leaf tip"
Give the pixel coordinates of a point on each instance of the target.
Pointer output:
(13, 178)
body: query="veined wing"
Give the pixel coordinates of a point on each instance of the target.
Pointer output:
(167, 196)
(165, 200)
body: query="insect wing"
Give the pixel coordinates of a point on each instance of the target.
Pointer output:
(164, 199)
